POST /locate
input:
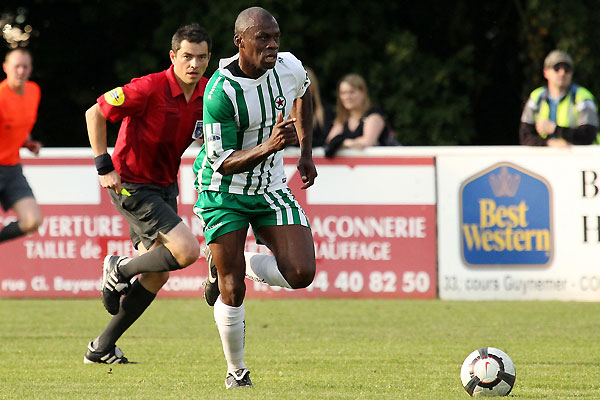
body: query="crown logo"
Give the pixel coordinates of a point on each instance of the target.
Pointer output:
(504, 184)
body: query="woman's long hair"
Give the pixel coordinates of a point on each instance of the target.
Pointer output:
(357, 82)
(318, 111)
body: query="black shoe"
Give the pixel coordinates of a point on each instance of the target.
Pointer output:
(114, 356)
(211, 284)
(113, 284)
(238, 379)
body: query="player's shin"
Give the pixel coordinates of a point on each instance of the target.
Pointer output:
(232, 329)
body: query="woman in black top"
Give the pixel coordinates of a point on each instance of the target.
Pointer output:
(357, 124)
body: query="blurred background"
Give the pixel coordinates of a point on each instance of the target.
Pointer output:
(446, 73)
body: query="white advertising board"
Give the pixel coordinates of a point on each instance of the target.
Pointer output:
(519, 225)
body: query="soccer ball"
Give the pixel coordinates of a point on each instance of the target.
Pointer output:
(488, 372)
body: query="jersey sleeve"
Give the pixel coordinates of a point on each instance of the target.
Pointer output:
(220, 128)
(125, 101)
(299, 73)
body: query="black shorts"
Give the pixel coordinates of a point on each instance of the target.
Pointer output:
(149, 210)
(13, 185)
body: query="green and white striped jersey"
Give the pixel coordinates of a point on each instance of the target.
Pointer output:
(239, 114)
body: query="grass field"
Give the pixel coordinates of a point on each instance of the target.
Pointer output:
(301, 349)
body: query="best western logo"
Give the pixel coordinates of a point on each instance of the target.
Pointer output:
(506, 218)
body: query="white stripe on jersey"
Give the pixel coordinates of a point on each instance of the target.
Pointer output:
(303, 219)
(288, 209)
(230, 91)
(277, 210)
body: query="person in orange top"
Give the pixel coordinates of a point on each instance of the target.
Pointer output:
(19, 100)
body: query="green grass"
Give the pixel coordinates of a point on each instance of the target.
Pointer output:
(301, 349)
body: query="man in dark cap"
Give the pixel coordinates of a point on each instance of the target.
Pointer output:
(561, 113)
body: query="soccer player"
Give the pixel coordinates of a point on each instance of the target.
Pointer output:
(241, 181)
(19, 101)
(161, 114)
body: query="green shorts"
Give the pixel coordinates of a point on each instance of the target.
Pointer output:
(222, 213)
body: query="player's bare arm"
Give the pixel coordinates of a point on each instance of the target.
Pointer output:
(282, 135)
(303, 112)
(96, 127)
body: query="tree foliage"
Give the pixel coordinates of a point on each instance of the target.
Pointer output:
(445, 73)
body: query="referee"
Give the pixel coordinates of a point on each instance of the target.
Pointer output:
(19, 101)
(161, 115)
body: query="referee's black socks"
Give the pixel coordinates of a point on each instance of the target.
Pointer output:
(159, 259)
(11, 231)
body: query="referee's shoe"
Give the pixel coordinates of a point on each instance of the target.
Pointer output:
(113, 356)
(113, 284)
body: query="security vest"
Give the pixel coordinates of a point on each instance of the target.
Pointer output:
(566, 110)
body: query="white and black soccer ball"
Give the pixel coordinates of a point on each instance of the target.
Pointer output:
(488, 372)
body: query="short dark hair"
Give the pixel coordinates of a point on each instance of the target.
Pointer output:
(193, 33)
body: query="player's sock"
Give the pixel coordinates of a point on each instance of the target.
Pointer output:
(263, 268)
(232, 328)
(158, 259)
(11, 231)
(134, 304)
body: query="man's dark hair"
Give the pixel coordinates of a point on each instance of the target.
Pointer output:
(193, 33)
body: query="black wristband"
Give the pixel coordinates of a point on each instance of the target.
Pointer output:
(104, 164)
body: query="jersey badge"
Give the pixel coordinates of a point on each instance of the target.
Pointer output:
(115, 97)
(197, 133)
(280, 102)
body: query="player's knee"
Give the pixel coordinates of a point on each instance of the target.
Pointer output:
(188, 253)
(30, 223)
(301, 276)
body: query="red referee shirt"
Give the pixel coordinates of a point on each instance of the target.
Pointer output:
(157, 126)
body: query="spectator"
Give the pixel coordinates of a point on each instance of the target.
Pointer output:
(19, 101)
(322, 112)
(357, 124)
(561, 113)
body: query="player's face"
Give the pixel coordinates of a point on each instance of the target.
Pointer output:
(18, 69)
(190, 61)
(260, 44)
(351, 97)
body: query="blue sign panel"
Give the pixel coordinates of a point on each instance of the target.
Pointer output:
(506, 218)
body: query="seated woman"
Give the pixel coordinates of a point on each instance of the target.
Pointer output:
(357, 124)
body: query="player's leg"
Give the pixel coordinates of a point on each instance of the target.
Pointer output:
(29, 218)
(293, 262)
(29, 214)
(138, 298)
(284, 229)
(178, 248)
(17, 195)
(153, 220)
(228, 254)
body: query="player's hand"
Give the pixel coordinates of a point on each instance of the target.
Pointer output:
(112, 181)
(308, 171)
(33, 146)
(283, 133)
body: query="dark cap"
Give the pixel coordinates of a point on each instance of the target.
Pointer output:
(557, 57)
